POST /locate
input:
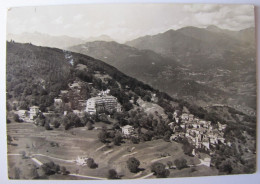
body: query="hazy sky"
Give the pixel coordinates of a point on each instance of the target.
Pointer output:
(125, 21)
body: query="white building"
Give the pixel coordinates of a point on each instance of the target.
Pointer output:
(185, 116)
(77, 112)
(22, 114)
(34, 110)
(107, 102)
(206, 161)
(102, 93)
(127, 130)
(81, 160)
(91, 106)
(57, 100)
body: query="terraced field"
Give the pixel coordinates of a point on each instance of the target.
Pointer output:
(36, 142)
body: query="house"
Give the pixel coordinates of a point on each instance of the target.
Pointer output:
(127, 130)
(191, 117)
(185, 116)
(77, 112)
(171, 125)
(177, 120)
(176, 113)
(206, 144)
(34, 110)
(154, 98)
(221, 127)
(119, 108)
(22, 114)
(64, 92)
(57, 100)
(81, 160)
(102, 93)
(206, 161)
(75, 85)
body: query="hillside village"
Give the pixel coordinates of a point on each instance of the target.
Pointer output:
(91, 103)
(201, 134)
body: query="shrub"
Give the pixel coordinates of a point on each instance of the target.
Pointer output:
(64, 171)
(133, 164)
(103, 136)
(159, 170)
(90, 126)
(180, 163)
(16, 118)
(134, 140)
(56, 124)
(112, 174)
(47, 126)
(91, 163)
(117, 139)
(50, 168)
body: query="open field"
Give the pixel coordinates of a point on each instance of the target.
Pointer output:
(36, 142)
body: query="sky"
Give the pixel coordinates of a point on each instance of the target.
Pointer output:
(123, 22)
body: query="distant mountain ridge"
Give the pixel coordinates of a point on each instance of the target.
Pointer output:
(61, 42)
(201, 65)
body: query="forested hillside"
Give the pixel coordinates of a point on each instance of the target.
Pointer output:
(37, 75)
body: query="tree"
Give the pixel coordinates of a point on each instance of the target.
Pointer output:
(226, 167)
(90, 125)
(133, 164)
(47, 126)
(117, 139)
(159, 170)
(56, 124)
(187, 147)
(112, 174)
(103, 136)
(50, 168)
(91, 163)
(16, 118)
(134, 140)
(64, 171)
(180, 163)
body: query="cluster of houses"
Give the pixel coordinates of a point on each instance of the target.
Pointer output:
(200, 133)
(25, 115)
(103, 101)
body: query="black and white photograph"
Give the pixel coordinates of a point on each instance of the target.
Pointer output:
(130, 91)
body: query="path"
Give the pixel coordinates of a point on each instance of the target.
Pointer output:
(70, 161)
(100, 148)
(129, 154)
(146, 176)
(37, 161)
(157, 159)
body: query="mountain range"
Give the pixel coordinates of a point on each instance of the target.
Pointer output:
(202, 65)
(61, 42)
